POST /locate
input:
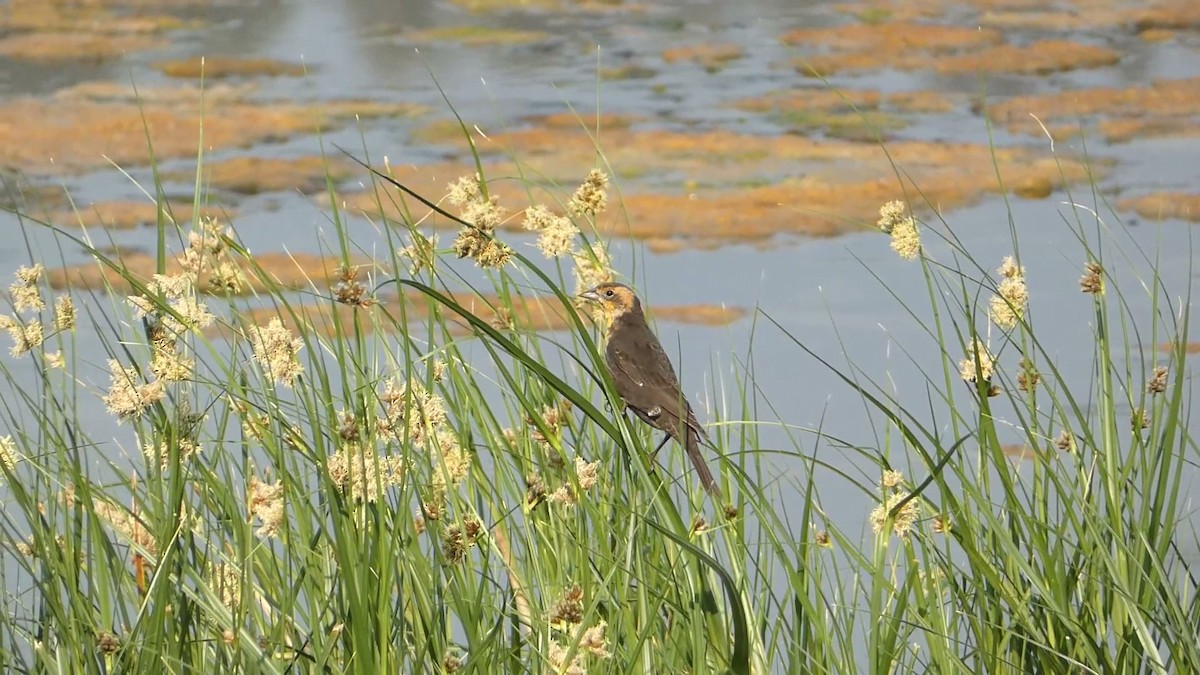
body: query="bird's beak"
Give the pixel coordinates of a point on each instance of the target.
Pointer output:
(591, 296)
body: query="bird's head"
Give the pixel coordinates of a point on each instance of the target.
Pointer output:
(616, 299)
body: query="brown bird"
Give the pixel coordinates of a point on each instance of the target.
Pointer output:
(644, 377)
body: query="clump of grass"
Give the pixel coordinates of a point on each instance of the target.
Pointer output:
(359, 483)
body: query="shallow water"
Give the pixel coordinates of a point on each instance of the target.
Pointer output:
(821, 289)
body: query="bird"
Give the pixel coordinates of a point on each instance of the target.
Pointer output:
(644, 377)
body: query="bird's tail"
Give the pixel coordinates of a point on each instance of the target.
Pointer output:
(692, 446)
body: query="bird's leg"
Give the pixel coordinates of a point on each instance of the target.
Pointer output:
(666, 437)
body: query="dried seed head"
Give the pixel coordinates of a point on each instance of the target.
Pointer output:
(349, 290)
(454, 545)
(348, 428)
(940, 525)
(108, 643)
(1029, 377)
(569, 608)
(821, 538)
(730, 511)
(1140, 419)
(421, 253)
(1092, 280)
(535, 491)
(1065, 441)
(1158, 381)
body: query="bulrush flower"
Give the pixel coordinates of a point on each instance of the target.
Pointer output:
(361, 474)
(1158, 381)
(558, 240)
(891, 487)
(25, 293)
(592, 268)
(421, 253)
(452, 464)
(593, 641)
(226, 581)
(56, 360)
(1007, 307)
(8, 452)
(902, 522)
(161, 451)
(126, 524)
(484, 249)
(889, 214)
(208, 253)
(538, 218)
(265, 502)
(422, 409)
(587, 474)
(564, 495)
(557, 656)
(556, 233)
(276, 349)
(169, 364)
(64, 313)
(478, 240)
(463, 191)
(129, 396)
(906, 238)
(171, 286)
(1092, 280)
(592, 196)
(977, 355)
(25, 336)
(178, 312)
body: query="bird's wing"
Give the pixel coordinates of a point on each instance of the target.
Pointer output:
(645, 378)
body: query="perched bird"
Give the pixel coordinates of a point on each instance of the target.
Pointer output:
(644, 377)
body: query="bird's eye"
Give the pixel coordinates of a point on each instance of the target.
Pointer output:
(609, 293)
